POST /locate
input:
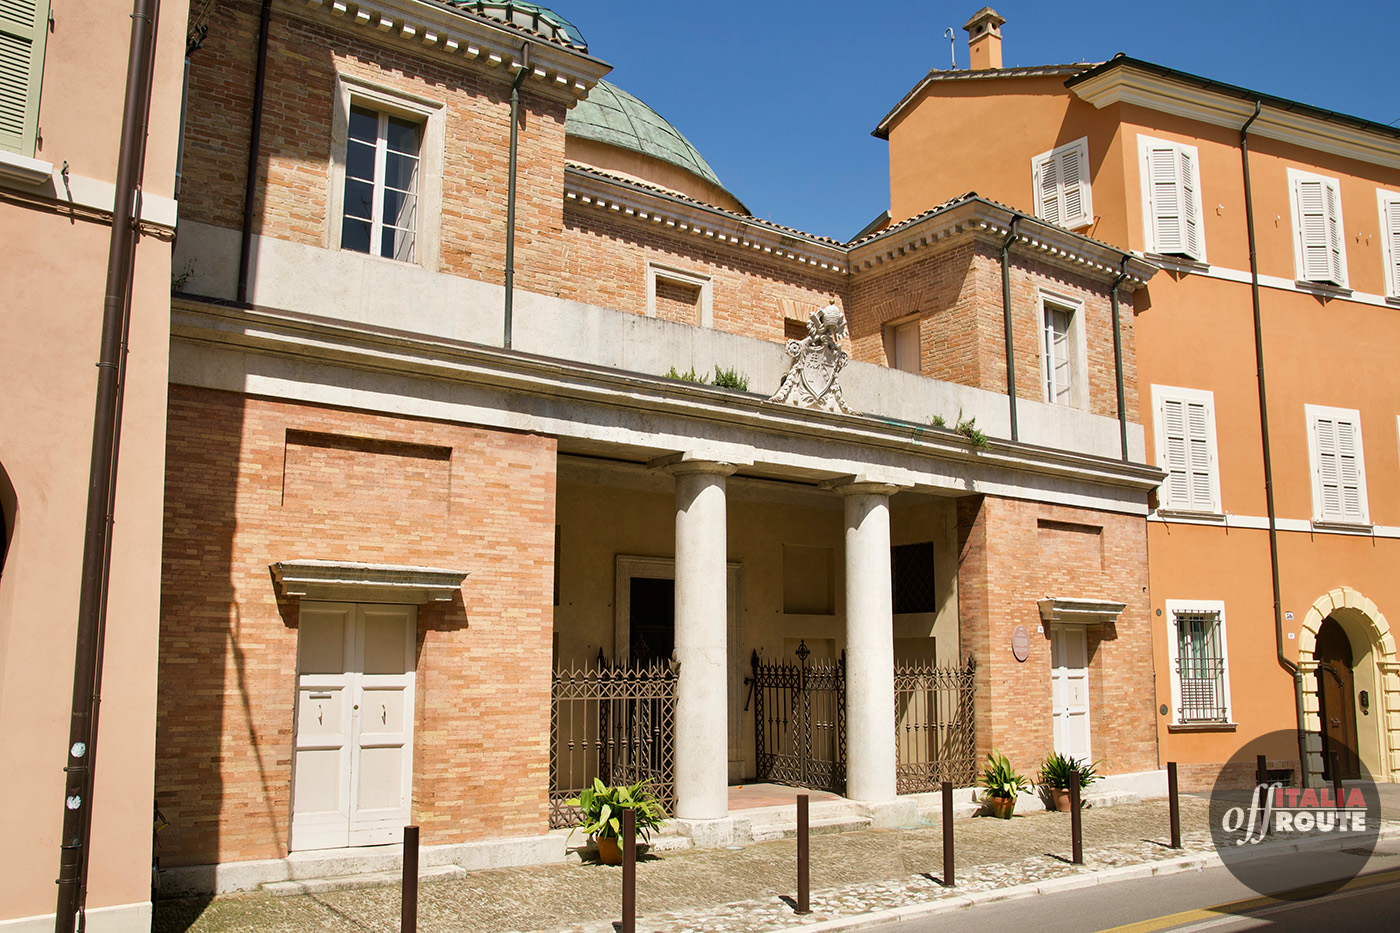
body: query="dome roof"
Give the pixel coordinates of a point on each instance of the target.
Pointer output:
(611, 116)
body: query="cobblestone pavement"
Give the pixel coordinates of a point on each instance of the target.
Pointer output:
(740, 889)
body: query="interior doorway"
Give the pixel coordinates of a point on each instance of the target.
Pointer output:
(651, 620)
(1336, 678)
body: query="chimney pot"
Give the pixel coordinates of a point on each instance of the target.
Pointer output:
(984, 39)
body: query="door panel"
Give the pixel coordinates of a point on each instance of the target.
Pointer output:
(1069, 689)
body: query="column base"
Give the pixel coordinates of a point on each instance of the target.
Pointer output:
(711, 834)
(890, 814)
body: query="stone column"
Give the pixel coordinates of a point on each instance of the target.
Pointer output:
(870, 728)
(702, 619)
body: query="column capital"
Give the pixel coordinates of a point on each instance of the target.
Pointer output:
(679, 464)
(859, 486)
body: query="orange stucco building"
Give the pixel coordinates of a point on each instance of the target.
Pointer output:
(1269, 477)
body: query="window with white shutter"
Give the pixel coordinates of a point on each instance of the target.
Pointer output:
(1061, 181)
(1171, 197)
(1338, 466)
(23, 29)
(1062, 352)
(1319, 244)
(1389, 202)
(1184, 431)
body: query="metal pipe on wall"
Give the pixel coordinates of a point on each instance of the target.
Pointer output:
(250, 188)
(1006, 314)
(1118, 358)
(510, 191)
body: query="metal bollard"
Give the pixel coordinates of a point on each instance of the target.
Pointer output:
(408, 917)
(1174, 805)
(629, 871)
(1075, 830)
(948, 834)
(1261, 770)
(1337, 791)
(804, 889)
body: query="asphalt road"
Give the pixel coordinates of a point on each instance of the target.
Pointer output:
(1203, 900)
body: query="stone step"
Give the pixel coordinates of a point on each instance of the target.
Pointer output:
(841, 824)
(366, 880)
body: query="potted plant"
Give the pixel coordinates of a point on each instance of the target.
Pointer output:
(1002, 784)
(600, 811)
(1057, 772)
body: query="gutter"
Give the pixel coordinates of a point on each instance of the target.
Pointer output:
(75, 839)
(510, 189)
(1118, 357)
(254, 144)
(1283, 660)
(1006, 317)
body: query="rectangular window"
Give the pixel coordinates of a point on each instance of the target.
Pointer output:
(1061, 181)
(23, 30)
(1171, 197)
(1184, 428)
(1338, 467)
(1062, 354)
(911, 578)
(680, 296)
(381, 185)
(1200, 674)
(1319, 247)
(902, 346)
(1389, 202)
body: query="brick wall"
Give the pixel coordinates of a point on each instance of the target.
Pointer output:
(250, 482)
(1013, 553)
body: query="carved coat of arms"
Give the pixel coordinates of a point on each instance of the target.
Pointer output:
(817, 361)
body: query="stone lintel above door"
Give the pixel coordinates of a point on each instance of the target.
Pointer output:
(1073, 610)
(349, 581)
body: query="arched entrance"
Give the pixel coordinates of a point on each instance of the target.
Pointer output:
(1351, 682)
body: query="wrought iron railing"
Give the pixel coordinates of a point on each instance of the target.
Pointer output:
(612, 722)
(800, 721)
(935, 726)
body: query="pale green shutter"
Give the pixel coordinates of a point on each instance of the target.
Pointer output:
(23, 28)
(1390, 218)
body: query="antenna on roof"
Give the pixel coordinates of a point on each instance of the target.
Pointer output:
(952, 46)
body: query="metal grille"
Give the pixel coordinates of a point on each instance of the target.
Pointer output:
(1200, 668)
(911, 577)
(935, 726)
(614, 723)
(800, 721)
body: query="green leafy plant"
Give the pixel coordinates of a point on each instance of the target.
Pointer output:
(939, 421)
(600, 809)
(1058, 768)
(731, 379)
(1000, 779)
(178, 279)
(967, 427)
(690, 376)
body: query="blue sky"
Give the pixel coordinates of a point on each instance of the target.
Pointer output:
(781, 96)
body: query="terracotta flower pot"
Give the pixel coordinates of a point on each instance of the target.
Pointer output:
(610, 850)
(1001, 807)
(1061, 796)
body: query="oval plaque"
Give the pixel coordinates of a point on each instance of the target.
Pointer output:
(1020, 643)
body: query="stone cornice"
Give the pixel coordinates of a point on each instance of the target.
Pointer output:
(1232, 107)
(556, 70)
(369, 583)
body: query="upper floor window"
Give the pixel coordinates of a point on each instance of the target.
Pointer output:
(1061, 179)
(1184, 429)
(683, 297)
(23, 29)
(1062, 350)
(1389, 202)
(902, 346)
(1338, 466)
(1319, 248)
(1171, 197)
(386, 173)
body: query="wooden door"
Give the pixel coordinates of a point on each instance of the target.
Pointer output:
(1337, 694)
(1069, 689)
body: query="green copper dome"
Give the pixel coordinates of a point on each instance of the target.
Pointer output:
(610, 115)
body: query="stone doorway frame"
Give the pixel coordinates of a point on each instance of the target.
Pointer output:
(1377, 671)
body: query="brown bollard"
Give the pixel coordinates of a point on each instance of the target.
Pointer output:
(804, 888)
(629, 871)
(947, 834)
(1075, 829)
(1261, 770)
(408, 916)
(1337, 781)
(1174, 805)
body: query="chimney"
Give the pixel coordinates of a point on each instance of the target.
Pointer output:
(984, 39)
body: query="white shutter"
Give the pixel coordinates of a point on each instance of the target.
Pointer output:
(1074, 179)
(1163, 169)
(1048, 189)
(1336, 257)
(1390, 226)
(1321, 250)
(1061, 180)
(23, 31)
(1341, 485)
(1190, 204)
(1177, 462)
(1187, 455)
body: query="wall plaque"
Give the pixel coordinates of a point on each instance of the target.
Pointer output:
(1020, 643)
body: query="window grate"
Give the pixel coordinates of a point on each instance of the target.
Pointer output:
(1200, 668)
(911, 577)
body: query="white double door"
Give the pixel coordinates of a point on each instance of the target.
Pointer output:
(352, 774)
(1069, 689)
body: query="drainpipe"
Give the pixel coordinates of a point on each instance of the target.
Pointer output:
(1006, 315)
(106, 431)
(245, 252)
(1283, 660)
(510, 188)
(1118, 358)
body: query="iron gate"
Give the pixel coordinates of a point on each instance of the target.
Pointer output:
(935, 726)
(800, 721)
(615, 723)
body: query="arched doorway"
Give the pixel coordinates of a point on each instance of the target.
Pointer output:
(1336, 682)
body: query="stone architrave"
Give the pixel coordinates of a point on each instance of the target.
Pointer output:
(817, 361)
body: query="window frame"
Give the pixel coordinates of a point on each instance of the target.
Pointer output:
(910, 324)
(1335, 228)
(1057, 160)
(1182, 607)
(1321, 516)
(1078, 358)
(1161, 395)
(1388, 204)
(430, 115)
(1150, 220)
(23, 142)
(658, 271)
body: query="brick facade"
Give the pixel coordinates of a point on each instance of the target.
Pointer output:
(250, 482)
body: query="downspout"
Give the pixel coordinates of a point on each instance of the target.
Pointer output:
(97, 541)
(1118, 359)
(1006, 315)
(1283, 660)
(510, 189)
(245, 252)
